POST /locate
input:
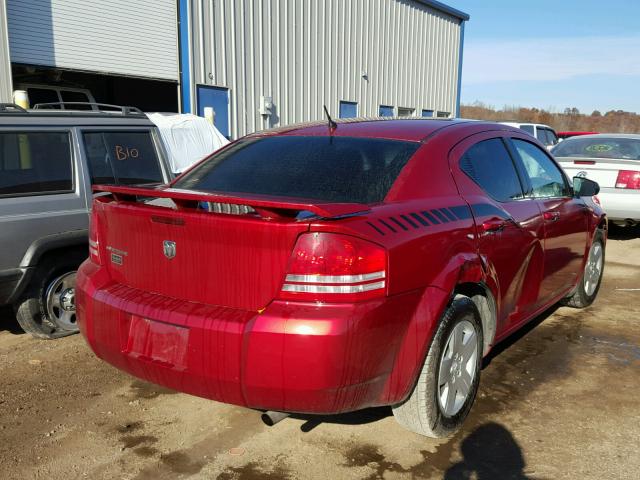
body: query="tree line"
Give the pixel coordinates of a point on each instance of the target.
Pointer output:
(614, 121)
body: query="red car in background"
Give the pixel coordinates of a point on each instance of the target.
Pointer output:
(328, 268)
(564, 135)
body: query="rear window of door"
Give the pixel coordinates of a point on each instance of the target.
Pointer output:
(527, 128)
(70, 96)
(541, 135)
(336, 169)
(35, 163)
(546, 178)
(489, 164)
(122, 157)
(43, 95)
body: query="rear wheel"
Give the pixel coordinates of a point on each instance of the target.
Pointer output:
(49, 308)
(448, 383)
(587, 290)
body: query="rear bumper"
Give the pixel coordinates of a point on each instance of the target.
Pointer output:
(291, 357)
(620, 204)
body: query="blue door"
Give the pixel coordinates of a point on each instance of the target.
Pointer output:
(218, 98)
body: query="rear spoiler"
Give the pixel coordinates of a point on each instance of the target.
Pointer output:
(185, 197)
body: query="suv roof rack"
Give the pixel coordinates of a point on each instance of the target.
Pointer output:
(124, 110)
(11, 108)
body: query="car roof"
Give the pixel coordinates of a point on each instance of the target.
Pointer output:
(408, 129)
(54, 115)
(34, 118)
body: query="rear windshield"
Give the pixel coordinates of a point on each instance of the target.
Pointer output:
(336, 169)
(122, 157)
(599, 147)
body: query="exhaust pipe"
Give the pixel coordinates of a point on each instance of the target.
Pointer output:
(271, 418)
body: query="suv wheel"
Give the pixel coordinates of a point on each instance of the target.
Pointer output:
(447, 385)
(49, 311)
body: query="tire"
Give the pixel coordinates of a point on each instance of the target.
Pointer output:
(425, 411)
(47, 308)
(589, 285)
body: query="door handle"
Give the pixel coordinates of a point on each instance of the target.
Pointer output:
(494, 225)
(551, 216)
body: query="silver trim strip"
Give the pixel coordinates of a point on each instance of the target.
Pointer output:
(288, 287)
(365, 277)
(93, 243)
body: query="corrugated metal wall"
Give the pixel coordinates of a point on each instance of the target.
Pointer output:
(137, 38)
(5, 63)
(308, 53)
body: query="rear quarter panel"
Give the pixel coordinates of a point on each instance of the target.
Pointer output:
(429, 233)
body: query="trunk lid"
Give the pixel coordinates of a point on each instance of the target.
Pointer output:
(190, 250)
(601, 170)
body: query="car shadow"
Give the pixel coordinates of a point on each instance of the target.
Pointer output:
(516, 336)
(623, 233)
(359, 417)
(8, 321)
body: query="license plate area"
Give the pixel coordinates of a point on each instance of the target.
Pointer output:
(158, 342)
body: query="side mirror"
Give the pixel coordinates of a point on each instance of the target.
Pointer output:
(583, 187)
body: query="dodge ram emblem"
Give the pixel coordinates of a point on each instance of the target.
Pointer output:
(169, 248)
(582, 174)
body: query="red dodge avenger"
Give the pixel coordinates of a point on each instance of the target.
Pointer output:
(328, 268)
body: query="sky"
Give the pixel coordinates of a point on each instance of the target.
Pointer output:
(552, 54)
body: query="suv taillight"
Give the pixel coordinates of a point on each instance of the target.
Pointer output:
(94, 241)
(629, 179)
(331, 267)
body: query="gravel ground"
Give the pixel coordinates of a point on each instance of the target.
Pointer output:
(560, 401)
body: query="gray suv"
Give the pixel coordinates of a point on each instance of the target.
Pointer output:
(49, 158)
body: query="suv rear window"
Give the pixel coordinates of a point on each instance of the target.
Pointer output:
(335, 169)
(122, 158)
(33, 163)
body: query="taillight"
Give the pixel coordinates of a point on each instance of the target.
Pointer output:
(331, 267)
(94, 241)
(629, 179)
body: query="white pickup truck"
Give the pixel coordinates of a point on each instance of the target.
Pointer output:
(544, 133)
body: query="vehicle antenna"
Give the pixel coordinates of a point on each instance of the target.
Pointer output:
(332, 125)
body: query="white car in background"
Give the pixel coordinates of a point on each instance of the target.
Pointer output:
(612, 160)
(544, 133)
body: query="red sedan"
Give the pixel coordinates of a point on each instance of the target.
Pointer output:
(329, 268)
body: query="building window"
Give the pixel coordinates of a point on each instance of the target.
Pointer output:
(427, 113)
(406, 112)
(444, 114)
(386, 111)
(348, 109)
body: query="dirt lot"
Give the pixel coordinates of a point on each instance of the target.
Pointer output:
(560, 401)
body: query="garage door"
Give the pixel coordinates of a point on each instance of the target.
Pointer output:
(121, 37)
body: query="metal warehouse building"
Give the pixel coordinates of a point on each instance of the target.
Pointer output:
(257, 63)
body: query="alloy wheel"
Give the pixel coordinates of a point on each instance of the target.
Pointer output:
(457, 368)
